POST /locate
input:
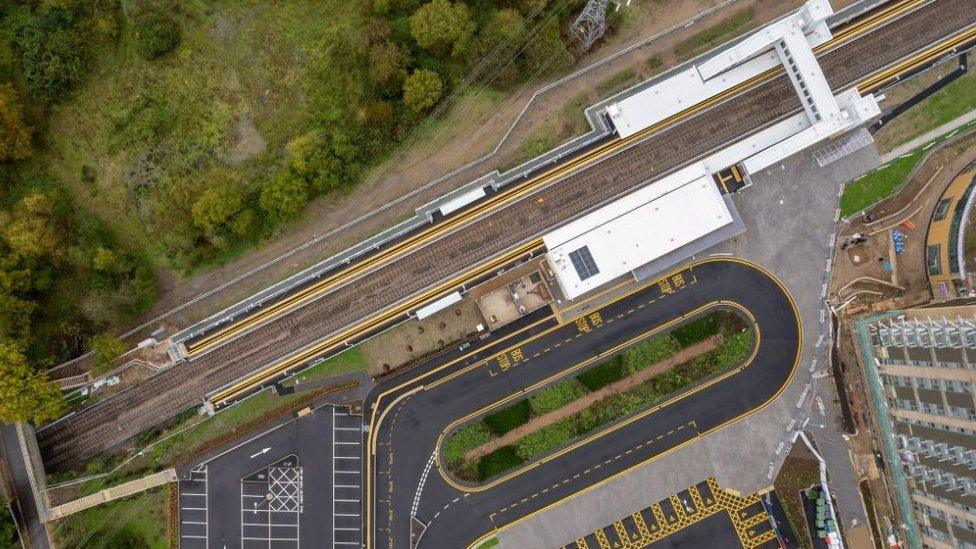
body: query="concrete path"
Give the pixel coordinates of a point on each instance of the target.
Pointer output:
(116, 492)
(929, 136)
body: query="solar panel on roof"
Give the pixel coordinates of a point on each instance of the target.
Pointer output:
(583, 262)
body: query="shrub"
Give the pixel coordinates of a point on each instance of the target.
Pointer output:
(546, 439)
(592, 417)
(602, 374)
(106, 348)
(466, 438)
(650, 352)
(156, 35)
(734, 349)
(557, 396)
(498, 461)
(509, 418)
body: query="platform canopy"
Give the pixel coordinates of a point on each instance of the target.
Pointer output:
(635, 230)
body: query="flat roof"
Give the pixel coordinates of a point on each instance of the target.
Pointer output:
(635, 230)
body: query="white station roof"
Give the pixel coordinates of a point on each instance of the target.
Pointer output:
(635, 230)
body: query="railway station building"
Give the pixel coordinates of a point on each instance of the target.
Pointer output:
(690, 210)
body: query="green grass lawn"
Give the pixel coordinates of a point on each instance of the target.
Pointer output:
(488, 544)
(944, 106)
(879, 184)
(348, 361)
(137, 521)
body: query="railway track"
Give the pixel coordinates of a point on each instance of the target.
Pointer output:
(105, 424)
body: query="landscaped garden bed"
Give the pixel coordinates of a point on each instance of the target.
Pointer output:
(636, 379)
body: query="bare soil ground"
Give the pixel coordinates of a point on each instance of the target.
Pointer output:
(914, 203)
(573, 408)
(476, 126)
(414, 339)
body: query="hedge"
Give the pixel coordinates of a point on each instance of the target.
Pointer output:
(498, 461)
(509, 418)
(697, 330)
(602, 374)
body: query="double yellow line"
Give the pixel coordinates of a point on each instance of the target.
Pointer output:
(238, 388)
(603, 431)
(510, 196)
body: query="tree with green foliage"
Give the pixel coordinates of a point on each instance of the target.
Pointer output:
(25, 394)
(106, 348)
(15, 307)
(111, 262)
(498, 43)
(157, 34)
(422, 89)
(325, 162)
(9, 538)
(53, 56)
(215, 208)
(15, 135)
(443, 28)
(32, 229)
(242, 223)
(387, 66)
(546, 53)
(283, 196)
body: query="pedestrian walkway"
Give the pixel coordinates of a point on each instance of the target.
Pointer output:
(929, 136)
(116, 492)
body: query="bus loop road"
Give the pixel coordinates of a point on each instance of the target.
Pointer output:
(407, 418)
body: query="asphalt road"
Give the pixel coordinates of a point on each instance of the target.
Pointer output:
(411, 416)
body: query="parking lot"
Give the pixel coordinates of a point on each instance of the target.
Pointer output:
(271, 504)
(297, 485)
(346, 475)
(703, 514)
